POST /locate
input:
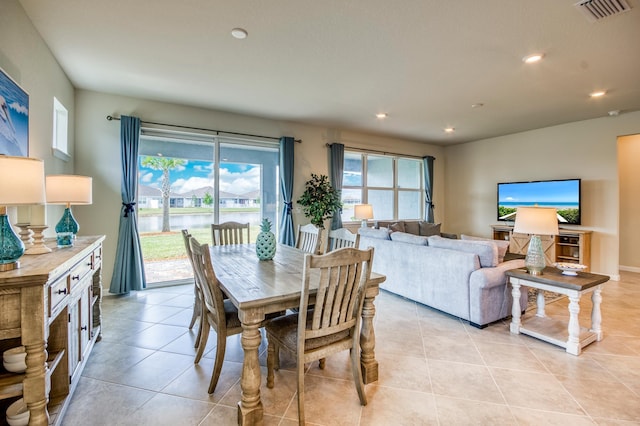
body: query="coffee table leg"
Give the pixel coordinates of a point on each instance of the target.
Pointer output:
(515, 308)
(250, 410)
(573, 343)
(596, 316)
(540, 304)
(368, 363)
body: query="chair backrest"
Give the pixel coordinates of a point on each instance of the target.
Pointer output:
(342, 280)
(341, 238)
(211, 292)
(185, 238)
(308, 239)
(229, 233)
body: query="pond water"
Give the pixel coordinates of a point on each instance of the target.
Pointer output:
(189, 221)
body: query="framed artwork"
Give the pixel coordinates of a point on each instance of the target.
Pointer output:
(14, 118)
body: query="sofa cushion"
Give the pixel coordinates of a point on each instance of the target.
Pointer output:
(427, 229)
(397, 227)
(502, 245)
(412, 227)
(381, 234)
(405, 237)
(486, 251)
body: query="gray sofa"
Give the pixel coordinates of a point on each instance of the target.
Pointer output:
(461, 277)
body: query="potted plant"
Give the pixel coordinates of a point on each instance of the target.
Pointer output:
(319, 200)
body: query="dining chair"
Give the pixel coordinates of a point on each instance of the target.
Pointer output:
(333, 325)
(230, 233)
(308, 238)
(197, 302)
(217, 313)
(341, 238)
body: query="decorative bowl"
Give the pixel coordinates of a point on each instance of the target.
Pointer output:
(18, 413)
(570, 268)
(13, 359)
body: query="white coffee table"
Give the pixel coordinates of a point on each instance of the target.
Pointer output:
(570, 336)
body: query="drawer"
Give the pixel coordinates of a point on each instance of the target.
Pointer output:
(79, 271)
(58, 291)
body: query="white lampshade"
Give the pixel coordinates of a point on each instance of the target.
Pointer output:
(536, 220)
(69, 189)
(363, 211)
(21, 181)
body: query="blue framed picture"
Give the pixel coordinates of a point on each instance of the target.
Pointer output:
(14, 118)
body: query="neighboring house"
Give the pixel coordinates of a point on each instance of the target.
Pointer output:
(149, 197)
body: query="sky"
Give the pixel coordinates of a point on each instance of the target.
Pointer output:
(566, 191)
(234, 178)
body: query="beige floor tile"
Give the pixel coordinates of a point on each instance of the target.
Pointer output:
(453, 411)
(194, 382)
(509, 356)
(155, 371)
(171, 410)
(228, 416)
(534, 390)
(391, 406)
(529, 417)
(404, 372)
(458, 349)
(605, 399)
(464, 381)
(154, 337)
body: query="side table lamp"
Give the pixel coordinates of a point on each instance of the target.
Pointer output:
(536, 221)
(21, 183)
(363, 212)
(68, 190)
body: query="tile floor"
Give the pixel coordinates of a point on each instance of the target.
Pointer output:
(434, 370)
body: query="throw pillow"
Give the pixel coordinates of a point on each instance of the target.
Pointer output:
(486, 251)
(405, 237)
(502, 245)
(381, 234)
(427, 229)
(397, 227)
(412, 227)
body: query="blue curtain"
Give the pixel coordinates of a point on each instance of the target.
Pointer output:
(428, 187)
(286, 187)
(128, 271)
(336, 165)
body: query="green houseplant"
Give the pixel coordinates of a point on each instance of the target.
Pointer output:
(319, 200)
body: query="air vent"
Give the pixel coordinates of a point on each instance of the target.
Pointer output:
(595, 10)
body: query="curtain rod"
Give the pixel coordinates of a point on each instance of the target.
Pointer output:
(217, 132)
(380, 152)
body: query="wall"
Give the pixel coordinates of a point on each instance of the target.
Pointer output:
(26, 58)
(585, 149)
(98, 152)
(628, 155)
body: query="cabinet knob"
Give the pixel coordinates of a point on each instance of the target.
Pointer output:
(62, 291)
(75, 277)
(84, 327)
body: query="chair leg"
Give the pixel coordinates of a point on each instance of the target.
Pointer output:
(321, 363)
(300, 369)
(271, 358)
(217, 367)
(204, 330)
(199, 335)
(196, 312)
(357, 375)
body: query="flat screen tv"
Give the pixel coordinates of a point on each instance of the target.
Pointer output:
(564, 195)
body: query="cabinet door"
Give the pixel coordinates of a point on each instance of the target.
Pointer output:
(85, 320)
(74, 336)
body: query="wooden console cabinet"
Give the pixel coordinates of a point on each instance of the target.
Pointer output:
(570, 245)
(51, 305)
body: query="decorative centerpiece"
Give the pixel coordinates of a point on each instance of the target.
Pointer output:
(266, 241)
(570, 268)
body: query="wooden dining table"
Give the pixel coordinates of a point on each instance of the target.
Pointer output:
(258, 288)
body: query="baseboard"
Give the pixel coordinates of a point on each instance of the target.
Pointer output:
(629, 268)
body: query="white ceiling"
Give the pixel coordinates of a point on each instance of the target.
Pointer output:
(336, 63)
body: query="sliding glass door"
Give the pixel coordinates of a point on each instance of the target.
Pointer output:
(189, 181)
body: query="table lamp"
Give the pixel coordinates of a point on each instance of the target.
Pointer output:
(68, 190)
(21, 183)
(363, 212)
(536, 221)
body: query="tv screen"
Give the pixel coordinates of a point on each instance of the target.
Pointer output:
(564, 195)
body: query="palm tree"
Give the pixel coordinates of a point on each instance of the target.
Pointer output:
(165, 164)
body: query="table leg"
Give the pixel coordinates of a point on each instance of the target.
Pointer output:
(596, 316)
(573, 343)
(368, 363)
(515, 308)
(540, 304)
(250, 410)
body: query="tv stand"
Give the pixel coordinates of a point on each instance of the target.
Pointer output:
(571, 245)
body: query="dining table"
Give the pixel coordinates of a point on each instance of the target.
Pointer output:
(260, 287)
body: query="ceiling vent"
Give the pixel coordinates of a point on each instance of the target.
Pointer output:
(595, 10)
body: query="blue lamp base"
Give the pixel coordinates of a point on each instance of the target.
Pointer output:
(11, 247)
(66, 229)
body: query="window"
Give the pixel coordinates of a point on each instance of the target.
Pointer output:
(201, 180)
(60, 131)
(393, 185)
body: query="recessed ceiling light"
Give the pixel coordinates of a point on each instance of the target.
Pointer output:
(239, 33)
(534, 57)
(381, 115)
(598, 93)
(478, 105)
(449, 129)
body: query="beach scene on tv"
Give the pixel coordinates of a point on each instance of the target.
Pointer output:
(564, 195)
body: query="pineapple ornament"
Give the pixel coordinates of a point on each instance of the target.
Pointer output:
(266, 241)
